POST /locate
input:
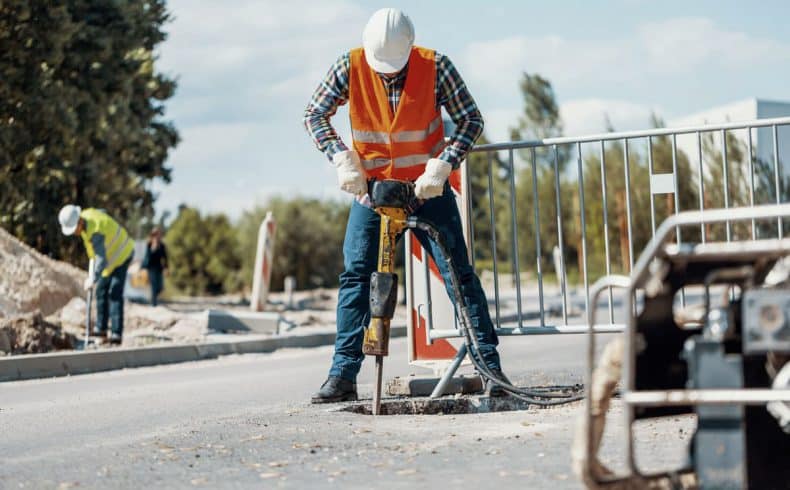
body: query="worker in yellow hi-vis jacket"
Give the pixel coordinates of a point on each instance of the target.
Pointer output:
(110, 250)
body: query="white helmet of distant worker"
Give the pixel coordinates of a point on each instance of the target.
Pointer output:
(69, 217)
(387, 39)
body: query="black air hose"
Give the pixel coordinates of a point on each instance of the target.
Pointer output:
(538, 396)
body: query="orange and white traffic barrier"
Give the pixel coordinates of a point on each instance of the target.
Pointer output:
(427, 301)
(264, 255)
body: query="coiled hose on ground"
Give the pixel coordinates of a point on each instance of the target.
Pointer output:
(546, 396)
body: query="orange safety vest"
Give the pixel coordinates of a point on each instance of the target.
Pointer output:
(395, 146)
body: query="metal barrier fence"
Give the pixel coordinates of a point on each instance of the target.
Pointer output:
(703, 170)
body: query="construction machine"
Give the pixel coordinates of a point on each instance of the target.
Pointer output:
(707, 333)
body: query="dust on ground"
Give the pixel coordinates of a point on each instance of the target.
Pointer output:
(43, 307)
(278, 447)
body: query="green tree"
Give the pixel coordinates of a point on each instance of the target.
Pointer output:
(480, 165)
(203, 253)
(739, 183)
(543, 175)
(687, 191)
(308, 242)
(81, 108)
(540, 119)
(765, 193)
(617, 204)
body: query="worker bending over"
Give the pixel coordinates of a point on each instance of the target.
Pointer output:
(110, 250)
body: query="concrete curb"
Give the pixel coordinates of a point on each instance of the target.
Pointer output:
(32, 366)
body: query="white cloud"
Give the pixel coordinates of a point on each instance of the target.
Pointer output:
(498, 123)
(658, 57)
(580, 117)
(563, 61)
(588, 116)
(665, 47)
(246, 72)
(209, 143)
(690, 43)
(254, 58)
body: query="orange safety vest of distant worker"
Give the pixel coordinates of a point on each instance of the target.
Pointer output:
(395, 146)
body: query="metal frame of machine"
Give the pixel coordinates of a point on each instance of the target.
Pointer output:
(647, 278)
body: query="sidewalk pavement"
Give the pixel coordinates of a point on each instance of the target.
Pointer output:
(66, 363)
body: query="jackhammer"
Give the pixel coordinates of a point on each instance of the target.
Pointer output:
(396, 202)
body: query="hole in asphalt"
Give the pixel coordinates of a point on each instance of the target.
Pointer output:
(441, 406)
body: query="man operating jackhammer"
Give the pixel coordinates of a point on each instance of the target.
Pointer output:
(395, 92)
(110, 251)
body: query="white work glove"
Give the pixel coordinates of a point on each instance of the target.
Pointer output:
(431, 182)
(88, 284)
(350, 174)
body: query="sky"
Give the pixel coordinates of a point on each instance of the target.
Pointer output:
(246, 70)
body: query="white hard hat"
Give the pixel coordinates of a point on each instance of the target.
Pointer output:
(387, 40)
(69, 217)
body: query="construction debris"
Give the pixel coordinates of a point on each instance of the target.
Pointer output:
(42, 307)
(30, 281)
(31, 334)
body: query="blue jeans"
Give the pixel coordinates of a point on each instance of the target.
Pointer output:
(156, 278)
(360, 258)
(109, 299)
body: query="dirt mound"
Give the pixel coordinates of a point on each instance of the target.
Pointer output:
(31, 333)
(143, 324)
(32, 282)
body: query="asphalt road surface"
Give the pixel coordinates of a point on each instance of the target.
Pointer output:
(246, 422)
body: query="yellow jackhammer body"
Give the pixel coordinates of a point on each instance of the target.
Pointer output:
(393, 200)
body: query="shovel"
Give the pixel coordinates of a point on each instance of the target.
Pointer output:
(91, 268)
(88, 318)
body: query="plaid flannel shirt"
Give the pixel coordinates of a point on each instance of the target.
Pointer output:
(451, 93)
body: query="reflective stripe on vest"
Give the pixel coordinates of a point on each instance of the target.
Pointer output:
(403, 162)
(399, 137)
(395, 145)
(370, 136)
(114, 238)
(117, 254)
(419, 135)
(118, 246)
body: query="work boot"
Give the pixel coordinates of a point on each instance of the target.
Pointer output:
(336, 389)
(115, 339)
(494, 390)
(99, 333)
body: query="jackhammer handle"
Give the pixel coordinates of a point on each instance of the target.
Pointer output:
(393, 193)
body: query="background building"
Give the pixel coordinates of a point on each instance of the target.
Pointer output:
(744, 110)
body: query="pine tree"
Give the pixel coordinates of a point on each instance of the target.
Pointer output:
(81, 113)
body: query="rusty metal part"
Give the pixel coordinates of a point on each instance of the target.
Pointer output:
(652, 339)
(377, 337)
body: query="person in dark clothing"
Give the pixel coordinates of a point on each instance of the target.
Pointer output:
(155, 262)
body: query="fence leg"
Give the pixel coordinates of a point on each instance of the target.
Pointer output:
(448, 376)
